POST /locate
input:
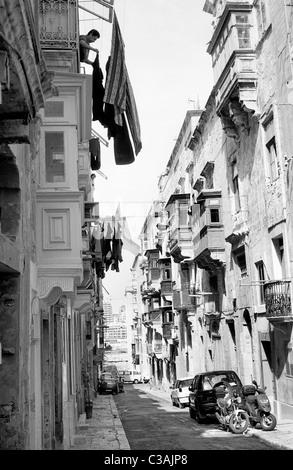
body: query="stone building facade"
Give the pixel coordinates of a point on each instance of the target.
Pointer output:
(227, 215)
(50, 294)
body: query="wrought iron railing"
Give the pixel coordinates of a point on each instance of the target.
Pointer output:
(58, 23)
(278, 299)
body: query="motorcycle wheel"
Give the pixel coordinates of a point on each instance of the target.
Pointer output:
(268, 422)
(239, 422)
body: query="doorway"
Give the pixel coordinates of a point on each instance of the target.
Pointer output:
(267, 378)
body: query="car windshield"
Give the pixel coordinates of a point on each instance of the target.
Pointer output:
(107, 376)
(209, 381)
(186, 383)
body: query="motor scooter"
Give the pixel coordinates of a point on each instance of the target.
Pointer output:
(258, 407)
(230, 415)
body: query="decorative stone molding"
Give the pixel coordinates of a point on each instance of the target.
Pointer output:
(83, 303)
(50, 288)
(237, 235)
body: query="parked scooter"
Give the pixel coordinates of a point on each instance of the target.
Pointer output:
(231, 416)
(258, 407)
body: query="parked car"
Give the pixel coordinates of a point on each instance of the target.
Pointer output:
(180, 392)
(108, 383)
(202, 397)
(131, 376)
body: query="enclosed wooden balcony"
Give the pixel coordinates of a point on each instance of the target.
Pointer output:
(166, 287)
(208, 232)
(167, 330)
(180, 230)
(232, 49)
(278, 301)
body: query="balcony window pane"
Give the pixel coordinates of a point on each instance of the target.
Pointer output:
(54, 153)
(215, 216)
(183, 214)
(243, 37)
(241, 18)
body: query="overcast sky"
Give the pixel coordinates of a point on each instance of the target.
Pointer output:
(170, 72)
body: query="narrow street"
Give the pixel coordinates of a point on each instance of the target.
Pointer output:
(151, 423)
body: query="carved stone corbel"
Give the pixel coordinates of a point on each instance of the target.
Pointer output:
(239, 116)
(230, 128)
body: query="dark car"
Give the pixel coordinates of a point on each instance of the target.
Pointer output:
(202, 397)
(108, 383)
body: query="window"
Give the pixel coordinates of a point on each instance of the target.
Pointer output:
(243, 31)
(215, 216)
(168, 317)
(261, 16)
(54, 154)
(167, 274)
(278, 257)
(272, 154)
(183, 213)
(271, 148)
(236, 188)
(261, 277)
(240, 259)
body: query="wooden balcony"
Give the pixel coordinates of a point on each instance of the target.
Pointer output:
(209, 238)
(181, 243)
(155, 317)
(167, 330)
(180, 230)
(166, 287)
(278, 301)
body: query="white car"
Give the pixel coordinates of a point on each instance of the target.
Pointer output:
(180, 392)
(131, 376)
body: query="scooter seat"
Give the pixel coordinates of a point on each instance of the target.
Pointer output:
(251, 399)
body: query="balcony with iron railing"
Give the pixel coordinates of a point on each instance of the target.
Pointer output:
(277, 296)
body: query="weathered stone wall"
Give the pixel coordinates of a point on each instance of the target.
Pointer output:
(10, 437)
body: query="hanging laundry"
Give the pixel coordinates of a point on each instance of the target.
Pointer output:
(116, 252)
(132, 116)
(98, 92)
(96, 247)
(95, 154)
(123, 150)
(119, 95)
(123, 233)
